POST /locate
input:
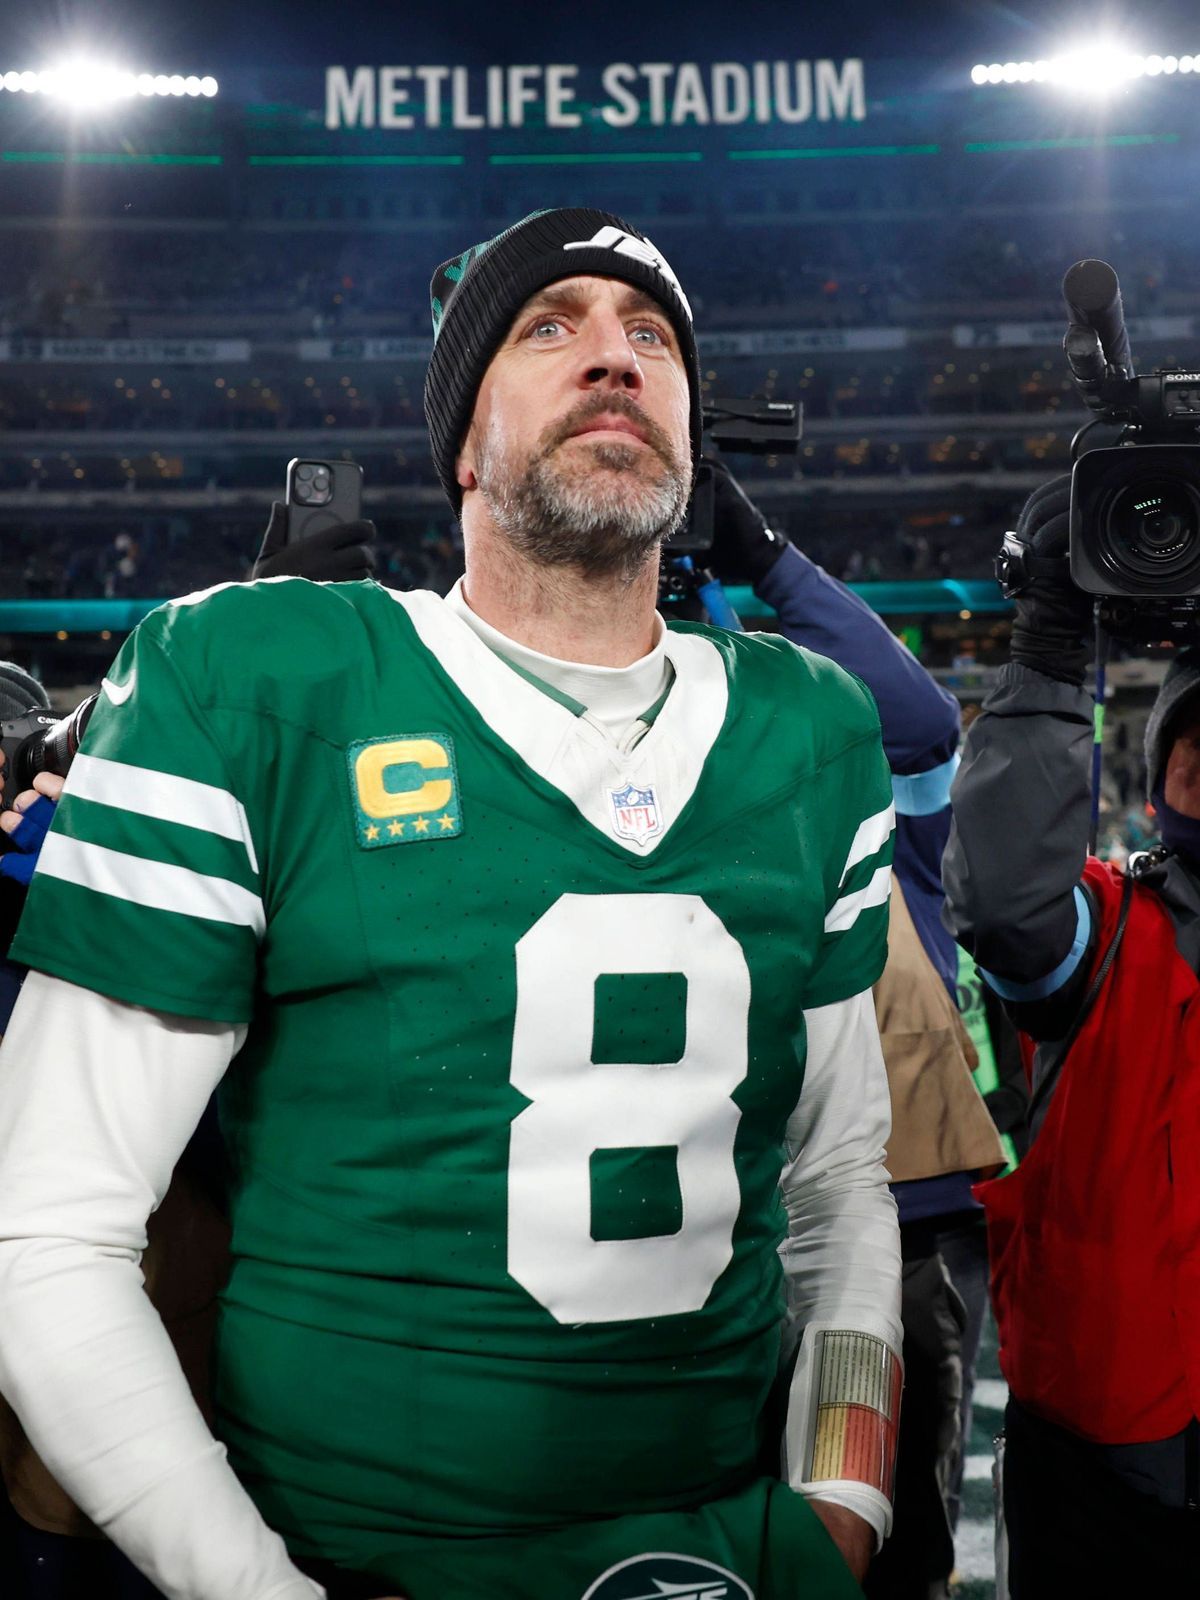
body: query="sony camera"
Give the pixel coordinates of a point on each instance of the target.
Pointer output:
(37, 741)
(751, 427)
(754, 427)
(1135, 504)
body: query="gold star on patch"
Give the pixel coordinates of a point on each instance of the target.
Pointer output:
(421, 825)
(372, 832)
(395, 829)
(447, 823)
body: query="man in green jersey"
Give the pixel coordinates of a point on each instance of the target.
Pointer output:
(531, 943)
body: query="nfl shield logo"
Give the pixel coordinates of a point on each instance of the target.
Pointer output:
(635, 812)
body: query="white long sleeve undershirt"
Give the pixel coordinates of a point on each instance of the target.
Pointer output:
(841, 1256)
(98, 1100)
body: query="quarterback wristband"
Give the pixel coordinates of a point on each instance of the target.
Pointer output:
(844, 1411)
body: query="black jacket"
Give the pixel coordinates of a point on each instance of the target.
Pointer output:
(1018, 842)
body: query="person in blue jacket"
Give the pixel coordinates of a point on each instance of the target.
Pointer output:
(941, 1224)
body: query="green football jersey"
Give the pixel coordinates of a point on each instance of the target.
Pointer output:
(526, 1027)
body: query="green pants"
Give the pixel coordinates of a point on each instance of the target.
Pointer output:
(763, 1543)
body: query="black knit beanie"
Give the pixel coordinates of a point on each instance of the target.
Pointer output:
(476, 295)
(19, 691)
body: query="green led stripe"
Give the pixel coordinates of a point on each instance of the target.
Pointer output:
(922, 596)
(831, 152)
(581, 159)
(1101, 142)
(108, 158)
(1142, 138)
(356, 161)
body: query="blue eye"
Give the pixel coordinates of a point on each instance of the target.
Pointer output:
(654, 334)
(548, 322)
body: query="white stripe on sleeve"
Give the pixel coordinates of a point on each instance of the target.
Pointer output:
(157, 884)
(873, 833)
(844, 913)
(161, 795)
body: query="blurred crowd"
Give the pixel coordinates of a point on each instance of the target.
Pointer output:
(845, 272)
(276, 394)
(157, 557)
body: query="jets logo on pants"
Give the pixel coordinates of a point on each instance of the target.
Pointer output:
(667, 1577)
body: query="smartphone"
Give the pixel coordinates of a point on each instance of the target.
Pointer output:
(320, 493)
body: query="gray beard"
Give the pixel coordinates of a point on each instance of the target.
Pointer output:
(608, 523)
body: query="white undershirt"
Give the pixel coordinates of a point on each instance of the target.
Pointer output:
(97, 1101)
(615, 697)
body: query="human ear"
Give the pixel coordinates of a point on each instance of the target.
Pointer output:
(464, 464)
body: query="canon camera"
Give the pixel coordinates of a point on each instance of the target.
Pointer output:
(37, 741)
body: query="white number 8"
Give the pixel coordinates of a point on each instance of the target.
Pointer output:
(580, 1106)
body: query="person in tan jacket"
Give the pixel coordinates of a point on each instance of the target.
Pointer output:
(940, 1129)
(942, 1136)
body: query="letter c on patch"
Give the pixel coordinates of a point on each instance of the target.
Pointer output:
(400, 778)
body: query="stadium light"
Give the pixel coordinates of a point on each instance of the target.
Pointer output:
(88, 85)
(1098, 69)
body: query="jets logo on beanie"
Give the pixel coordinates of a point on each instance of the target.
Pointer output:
(476, 295)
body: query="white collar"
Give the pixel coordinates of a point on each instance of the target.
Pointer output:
(562, 747)
(614, 696)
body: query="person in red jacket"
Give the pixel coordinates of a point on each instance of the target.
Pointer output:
(1095, 1239)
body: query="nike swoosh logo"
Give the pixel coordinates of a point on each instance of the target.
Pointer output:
(118, 693)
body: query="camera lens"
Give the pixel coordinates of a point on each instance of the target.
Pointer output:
(305, 472)
(1160, 522)
(1153, 531)
(54, 749)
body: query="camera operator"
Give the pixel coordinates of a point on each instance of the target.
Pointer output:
(1095, 1240)
(19, 692)
(942, 1136)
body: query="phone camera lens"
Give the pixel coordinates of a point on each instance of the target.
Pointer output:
(312, 484)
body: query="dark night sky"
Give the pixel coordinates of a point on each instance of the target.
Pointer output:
(189, 35)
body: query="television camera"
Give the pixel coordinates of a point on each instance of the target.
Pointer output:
(1135, 503)
(750, 427)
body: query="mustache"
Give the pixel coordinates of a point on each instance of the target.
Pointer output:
(618, 404)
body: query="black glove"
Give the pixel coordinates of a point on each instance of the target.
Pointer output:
(742, 542)
(1053, 625)
(339, 554)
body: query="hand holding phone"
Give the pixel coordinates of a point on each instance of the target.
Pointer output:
(318, 532)
(321, 494)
